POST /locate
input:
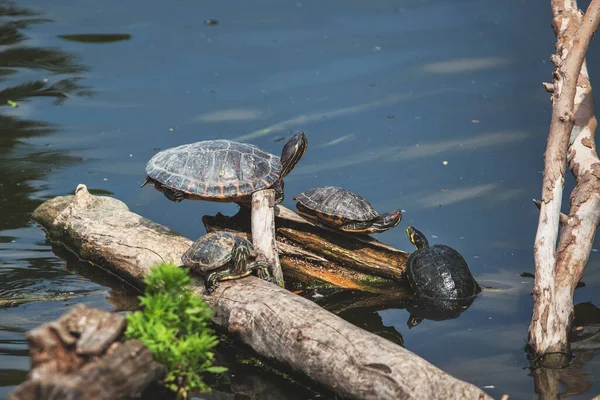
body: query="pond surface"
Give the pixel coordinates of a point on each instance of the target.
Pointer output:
(432, 106)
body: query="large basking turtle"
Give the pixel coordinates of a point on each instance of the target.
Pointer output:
(221, 256)
(222, 170)
(438, 272)
(344, 210)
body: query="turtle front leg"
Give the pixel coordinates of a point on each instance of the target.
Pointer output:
(263, 270)
(173, 195)
(212, 280)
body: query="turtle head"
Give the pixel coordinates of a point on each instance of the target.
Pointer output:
(240, 255)
(416, 238)
(292, 152)
(386, 221)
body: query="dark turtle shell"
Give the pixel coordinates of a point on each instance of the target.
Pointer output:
(337, 205)
(213, 251)
(440, 272)
(217, 170)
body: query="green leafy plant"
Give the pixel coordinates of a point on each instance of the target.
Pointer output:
(173, 324)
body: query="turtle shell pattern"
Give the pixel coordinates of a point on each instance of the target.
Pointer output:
(440, 272)
(212, 251)
(215, 169)
(337, 204)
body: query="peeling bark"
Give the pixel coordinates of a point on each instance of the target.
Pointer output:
(560, 261)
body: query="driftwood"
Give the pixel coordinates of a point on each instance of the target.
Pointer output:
(571, 139)
(274, 322)
(76, 357)
(263, 229)
(315, 253)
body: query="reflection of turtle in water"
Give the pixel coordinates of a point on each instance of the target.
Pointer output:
(221, 256)
(344, 210)
(222, 170)
(436, 309)
(440, 279)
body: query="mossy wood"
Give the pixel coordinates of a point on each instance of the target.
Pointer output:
(312, 252)
(274, 322)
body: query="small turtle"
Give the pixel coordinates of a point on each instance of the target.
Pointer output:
(222, 170)
(438, 272)
(344, 210)
(221, 256)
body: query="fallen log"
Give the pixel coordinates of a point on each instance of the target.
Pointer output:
(76, 357)
(311, 252)
(274, 322)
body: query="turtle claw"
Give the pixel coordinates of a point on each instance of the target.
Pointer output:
(211, 283)
(265, 274)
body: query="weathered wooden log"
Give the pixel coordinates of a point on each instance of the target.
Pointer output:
(263, 229)
(76, 357)
(311, 252)
(274, 322)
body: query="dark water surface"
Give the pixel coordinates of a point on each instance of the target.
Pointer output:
(432, 106)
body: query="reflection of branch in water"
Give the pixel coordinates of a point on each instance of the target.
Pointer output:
(574, 379)
(58, 90)
(39, 58)
(9, 32)
(8, 9)
(20, 164)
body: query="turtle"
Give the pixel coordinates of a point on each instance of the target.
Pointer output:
(221, 256)
(344, 210)
(222, 170)
(438, 272)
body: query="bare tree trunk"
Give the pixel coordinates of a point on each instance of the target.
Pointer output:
(571, 137)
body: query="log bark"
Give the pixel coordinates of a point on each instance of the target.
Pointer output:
(76, 357)
(571, 138)
(274, 322)
(263, 230)
(317, 253)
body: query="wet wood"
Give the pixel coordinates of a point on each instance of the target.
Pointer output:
(77, 357)
(274, 322)
(315, 253)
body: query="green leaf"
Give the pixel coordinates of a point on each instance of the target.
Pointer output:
(216, 370)
(174, 324)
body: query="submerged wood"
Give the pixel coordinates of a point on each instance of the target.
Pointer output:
(315, 253)
(76, 357)
(274, 322)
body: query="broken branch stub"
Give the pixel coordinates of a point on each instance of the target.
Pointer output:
(263, 230)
